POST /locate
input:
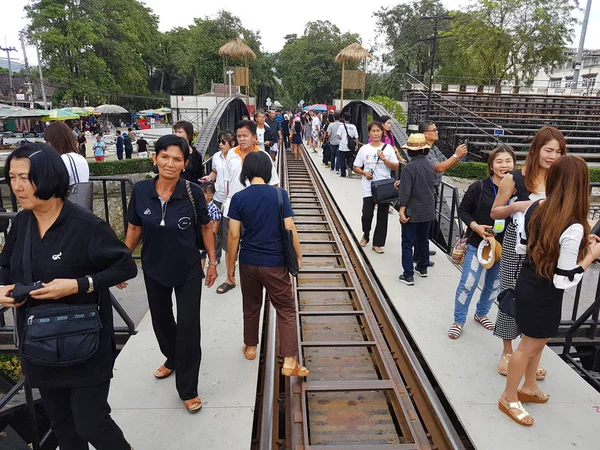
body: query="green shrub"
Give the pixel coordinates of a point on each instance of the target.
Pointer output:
(123, 167)
(478, 171)
(10, 367)
(468, 170)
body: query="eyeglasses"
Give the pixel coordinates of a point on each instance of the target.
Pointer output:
(224, 141)
(431, 131)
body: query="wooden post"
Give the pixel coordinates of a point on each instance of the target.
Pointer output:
(342, 94)
(247, 83)
(364, 85)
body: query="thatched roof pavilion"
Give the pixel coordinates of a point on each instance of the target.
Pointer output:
(236, 48)
(353, 79)
(354, 52)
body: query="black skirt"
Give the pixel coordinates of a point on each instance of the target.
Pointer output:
(539, 304)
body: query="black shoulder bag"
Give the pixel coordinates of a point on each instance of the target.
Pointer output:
(383, 191)
(56, 334)
(352, 141)
(198, 228)
(81, 194)
(291, 259)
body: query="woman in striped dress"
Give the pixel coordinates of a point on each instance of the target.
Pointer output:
(516, 192)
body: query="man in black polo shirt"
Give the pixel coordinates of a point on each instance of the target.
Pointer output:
(142, 145)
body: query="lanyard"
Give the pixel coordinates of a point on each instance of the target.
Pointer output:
(494, 187)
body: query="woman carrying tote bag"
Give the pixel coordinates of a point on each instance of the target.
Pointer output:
(374, 162)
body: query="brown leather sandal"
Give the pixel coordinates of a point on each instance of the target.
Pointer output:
(248, 354)
(537, 396)
(297, 371)
(193, 405)
(163, 372)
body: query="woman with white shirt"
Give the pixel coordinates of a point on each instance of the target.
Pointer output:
(559, 250)
(61, 138)
(374, 162)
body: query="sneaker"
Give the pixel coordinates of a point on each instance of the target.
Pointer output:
(407, 281)
(337, 171)
(431, 264)
(422, 273)
(432, 252)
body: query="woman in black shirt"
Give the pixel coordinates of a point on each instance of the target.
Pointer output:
(474, 210)
(194, 170)
(78, 257)
(161, 213)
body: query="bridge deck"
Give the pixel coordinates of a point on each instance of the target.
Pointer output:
(466, 369)
(150, 412)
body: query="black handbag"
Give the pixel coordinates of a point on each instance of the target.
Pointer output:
(506, 302)
(81, 194)
(291, 259)
(352, 141)
(383, 191)
(198, 228)
(57, 334)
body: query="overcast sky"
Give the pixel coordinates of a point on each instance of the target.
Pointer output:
(283, 18)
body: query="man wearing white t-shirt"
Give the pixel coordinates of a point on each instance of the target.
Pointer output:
(246, 136)
(264, 136)
(345, 129)
(373, 162)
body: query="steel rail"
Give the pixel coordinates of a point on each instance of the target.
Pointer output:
(417, 414)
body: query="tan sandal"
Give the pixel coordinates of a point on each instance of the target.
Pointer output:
(540, 373)
(507, 408)
(193, 405)
(297, 371)
(363, 241)
(249, 355)
(377, 250)
(163, 372)
(537, 396)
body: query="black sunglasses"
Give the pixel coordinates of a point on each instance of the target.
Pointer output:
(224, 141)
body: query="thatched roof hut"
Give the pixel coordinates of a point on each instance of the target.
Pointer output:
(236, 48)
(354, 52)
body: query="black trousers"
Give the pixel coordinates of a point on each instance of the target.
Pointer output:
(81, 416)
(179, 342)
(128, 152)
(345, 158)
(381, 225)
(119, 153)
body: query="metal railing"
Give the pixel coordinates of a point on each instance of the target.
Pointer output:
(447, 226)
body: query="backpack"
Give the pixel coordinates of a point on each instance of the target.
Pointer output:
(352, 141)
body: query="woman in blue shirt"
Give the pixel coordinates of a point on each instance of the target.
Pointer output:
(262, 258)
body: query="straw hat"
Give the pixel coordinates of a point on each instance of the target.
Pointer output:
(416, 141)
(489, 252)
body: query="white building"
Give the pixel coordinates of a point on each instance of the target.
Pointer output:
(560, 80)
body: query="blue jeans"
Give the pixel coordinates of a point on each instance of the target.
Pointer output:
(335, 150)
(468, 283)
(414, 235)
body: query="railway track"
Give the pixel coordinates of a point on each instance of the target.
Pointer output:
(366, 388)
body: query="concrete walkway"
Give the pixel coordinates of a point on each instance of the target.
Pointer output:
(150, 412)
(466, 369)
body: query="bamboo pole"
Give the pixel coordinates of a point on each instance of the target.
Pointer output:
(342, 95)
(247, 82)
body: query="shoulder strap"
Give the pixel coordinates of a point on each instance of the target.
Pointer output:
(188, 188)
(74, 169)
(280, 199)
(27, 273)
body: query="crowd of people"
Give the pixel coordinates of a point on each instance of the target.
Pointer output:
(528, 236)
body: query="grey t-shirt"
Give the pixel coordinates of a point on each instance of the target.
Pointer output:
(332, 129)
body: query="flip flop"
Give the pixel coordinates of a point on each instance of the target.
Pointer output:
(163, 372)
(225, 287)
(297, 371)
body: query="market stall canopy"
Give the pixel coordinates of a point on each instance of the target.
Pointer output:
(78, 111)
(15, 112)
(110, 109)
(92, 110)
(60, 114)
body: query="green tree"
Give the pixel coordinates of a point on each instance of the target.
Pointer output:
(392, 106)
(306, 64)
(94, 47)
(405, 34)
(497, 40)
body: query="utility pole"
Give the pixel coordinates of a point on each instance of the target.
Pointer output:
(8, 49)
(28, 86)
(434, 38)
(37, 47)
(578, 59)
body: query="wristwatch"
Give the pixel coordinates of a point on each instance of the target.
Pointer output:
(90, 288)
(454, 155)
(212, 263)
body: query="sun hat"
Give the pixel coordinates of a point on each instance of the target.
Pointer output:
(489, 252)
(416, 141)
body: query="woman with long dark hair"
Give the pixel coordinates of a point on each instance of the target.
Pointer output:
(194, 169)
(516, 192)
(297, 139)
(559, 249)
